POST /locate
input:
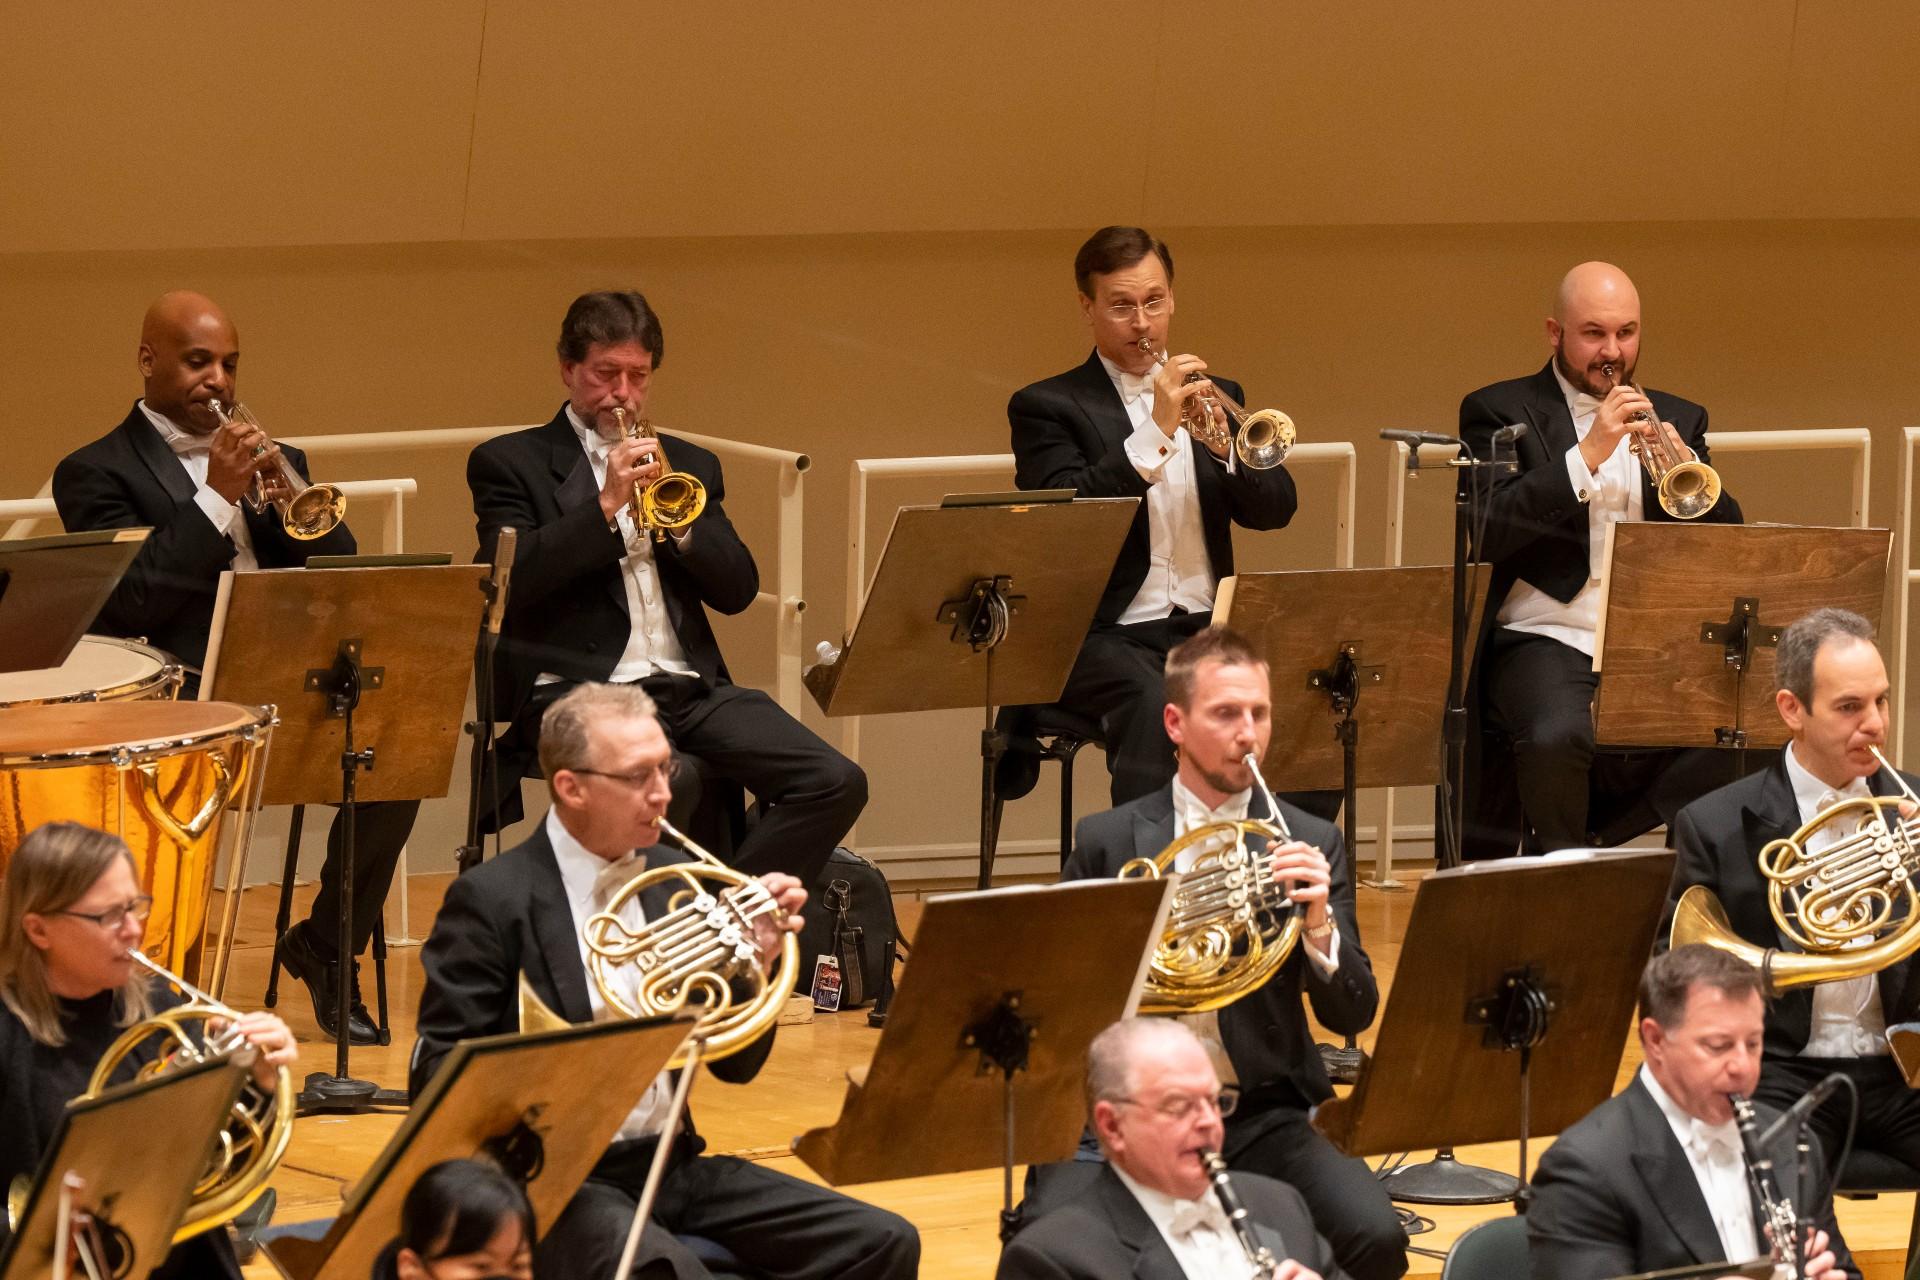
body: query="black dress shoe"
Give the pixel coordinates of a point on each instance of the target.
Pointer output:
(299, 957)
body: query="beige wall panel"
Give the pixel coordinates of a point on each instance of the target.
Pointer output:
(598, 119)
(144, 127)
(1852, 133)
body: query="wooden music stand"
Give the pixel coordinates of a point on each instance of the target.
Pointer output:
(129, 1157)
(938, 629)
(1689, 616)
(313, 643)
(51, 590)
(542, 1105)
(983, 1059)
(1363, 651)
(1516, 982)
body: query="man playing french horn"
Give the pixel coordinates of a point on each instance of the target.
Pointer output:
(1218, 711)
(609, 768)
(1837, 996)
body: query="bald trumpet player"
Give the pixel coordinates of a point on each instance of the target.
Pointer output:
(1535, 779)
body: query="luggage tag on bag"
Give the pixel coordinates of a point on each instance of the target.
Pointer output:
(826, 983)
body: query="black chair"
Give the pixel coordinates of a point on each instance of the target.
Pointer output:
(1494, 1250)
(1870, 1174)
(1035, 735)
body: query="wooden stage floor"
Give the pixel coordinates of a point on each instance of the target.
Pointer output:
(801, 1088)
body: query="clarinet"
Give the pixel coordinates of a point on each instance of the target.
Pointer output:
(1262, 1259)
(1781, 1218)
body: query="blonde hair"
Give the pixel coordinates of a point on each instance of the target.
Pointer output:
(566, 728)
(53, 868)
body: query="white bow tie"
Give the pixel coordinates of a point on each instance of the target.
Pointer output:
(615, 874)
(1584, 404)
(1717, 1142)
(1134, 386)
(1190, 1215)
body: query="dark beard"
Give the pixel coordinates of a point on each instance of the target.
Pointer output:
(1577, 378)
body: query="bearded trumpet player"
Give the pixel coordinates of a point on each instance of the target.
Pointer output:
(524, 917)
(619, 560)
(1834, 1002)
(1535, 779)
(71, 915)
(1217, 712)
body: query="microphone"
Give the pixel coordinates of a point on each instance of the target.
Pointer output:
(1510, 433)
(1796, 1115)
(1414, 439)
(502, 570)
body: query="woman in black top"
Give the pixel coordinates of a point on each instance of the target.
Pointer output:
(463, 1220)
(71, 910)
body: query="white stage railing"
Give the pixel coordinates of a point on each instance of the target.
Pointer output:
(390, 495)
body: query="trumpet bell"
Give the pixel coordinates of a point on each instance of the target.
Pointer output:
(314, 512)
(1689, 490)
(1264, 439)
(674, 501)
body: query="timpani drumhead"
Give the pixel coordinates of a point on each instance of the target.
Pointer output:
(75, 731)
(100, 668)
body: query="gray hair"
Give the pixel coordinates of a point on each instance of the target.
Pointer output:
(566, 727)
(1800, 644)
(1110, 1058)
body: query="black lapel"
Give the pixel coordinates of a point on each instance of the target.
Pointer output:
(1099, 400)
(159, 459)
(1152, 1259)
(1546, 413)
(568, 463)
(1671, 1185)
(1153, 825)
(1773, 814)
(554, 929)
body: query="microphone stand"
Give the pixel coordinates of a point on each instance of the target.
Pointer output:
(483, 762)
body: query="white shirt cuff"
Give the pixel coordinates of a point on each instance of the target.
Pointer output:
(1329, 964)
(1149, 450)
(1585, 484)
(218, 509)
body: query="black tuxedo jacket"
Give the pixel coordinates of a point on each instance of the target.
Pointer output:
(567, 609)
(1070, 431)
(1616, 1195)
(1718, 838)
(1265, 1032)
(129, 478)
(508, 917)
(1106, 1235)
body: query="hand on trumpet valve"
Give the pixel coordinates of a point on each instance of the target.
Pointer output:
(1303, 871)
(790, 895)
(1622, 413)
(630, 462)
(1172, 393)
(270, 1038)
(236, 451)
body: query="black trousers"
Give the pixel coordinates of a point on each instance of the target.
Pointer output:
(1889, 1110)
(811, 793)
(1538, 692)
(778, 1226)
(380, 832)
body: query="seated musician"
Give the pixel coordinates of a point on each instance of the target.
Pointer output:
(1833, 696)
(1533, 773)
(1111, 428)
(1156, 1103)
(608, 766)
(173, 467)
(596, 598)
(70, 912)
(1656, 1176)
(1218, 710)
(462, 1218)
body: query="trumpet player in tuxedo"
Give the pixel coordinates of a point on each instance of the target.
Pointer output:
(1115, 426)
(1218, 711)
(1832, 1010)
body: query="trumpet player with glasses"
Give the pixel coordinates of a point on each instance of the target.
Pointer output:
(523, 916)
(188, 463)
(72, 916)
(1139, 418)
(1218, 716)
(623, 546)
(1678, 1170)
(1590, 442)
(1827, 815)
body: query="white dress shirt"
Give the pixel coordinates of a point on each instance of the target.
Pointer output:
(590, 882)
(652, 644)
(1848, 1021)
(193, 452)
(1611, 494)
(1197, 1231)
(1720, 1167)
(1179, 570)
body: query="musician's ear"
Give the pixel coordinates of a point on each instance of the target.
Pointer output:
(1792, 711)
(35, 926)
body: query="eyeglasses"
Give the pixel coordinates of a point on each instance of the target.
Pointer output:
(113, 917)
(1179, 1106)
(1151, 308)
(646, 777)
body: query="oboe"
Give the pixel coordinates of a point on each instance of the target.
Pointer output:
(1258, 1255)
(1782, 1221)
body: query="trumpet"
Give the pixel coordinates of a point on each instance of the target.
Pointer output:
(673, 500)
(307, 511)
(1260, 440)
(1687, 487)
(1230, 927)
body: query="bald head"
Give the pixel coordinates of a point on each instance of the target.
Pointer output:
(189, 354)
(1595, 325)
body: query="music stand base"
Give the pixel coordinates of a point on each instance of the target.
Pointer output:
(1343, 1062)
(326, 1094)
(1444, 1180)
